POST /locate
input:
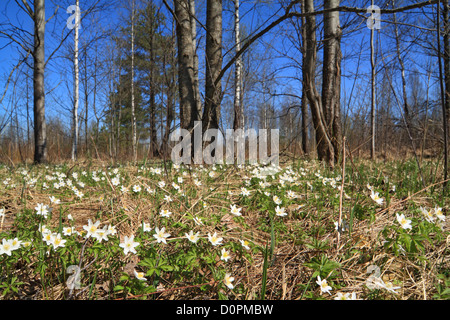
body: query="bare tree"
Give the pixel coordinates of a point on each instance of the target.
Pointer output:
(194, 46)
(213, 88)
(76, 92)
(40, 132)
(238, 121)
(325, 109)
(133, 109)
(186, 79)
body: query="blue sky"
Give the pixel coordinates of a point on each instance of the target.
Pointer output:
(59, 78)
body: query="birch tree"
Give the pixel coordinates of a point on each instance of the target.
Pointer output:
(238, 112)
(76, 90)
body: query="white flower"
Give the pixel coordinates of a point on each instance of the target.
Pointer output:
(245, 192)
(2, 212)
(101, 234)
(68, 231)
(111, 230)
(324, 287)
(228, 281)
(69, 216)
(56, 241)
(115, 181)
(198, 221)
(165, 213)
(6, 247)
(137, 188)
(291, 194)
(42, 210)
(146, 227)
(376, 197)
(280, 211)
(79, 194)
(214, 239)
(91, 228)
(439, 214)
(54, 200)
(161, 184)
(129, 244)
(26, 244)
(428, 214)
(276, 200)
(244, 243)
(192, 237)
(15, 243)
(236, 211)
(405, 223)
(47, 237)
(167, 198)
(139, 275)
(345, 296)
(225, 255)
(161, 235)
(43, 229)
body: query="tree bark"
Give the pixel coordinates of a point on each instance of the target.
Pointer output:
(213, 89)
(40, 130)
(372, 90)
(446, 58)
(76, 93)
(188, 106)
(237, 124)
(304, 102)
(133, 108)
(325, 110)
(194, 48)
(331, 86)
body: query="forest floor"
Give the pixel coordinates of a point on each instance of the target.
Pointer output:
(154, 231)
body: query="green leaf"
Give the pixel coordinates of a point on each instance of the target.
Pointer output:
(118, 288)
(124, 278)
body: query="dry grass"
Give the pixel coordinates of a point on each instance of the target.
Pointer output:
(287, 276)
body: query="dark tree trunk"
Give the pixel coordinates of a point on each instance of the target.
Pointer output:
(188, 107)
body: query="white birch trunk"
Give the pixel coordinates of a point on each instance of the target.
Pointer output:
(76, 92)
(133, 110)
